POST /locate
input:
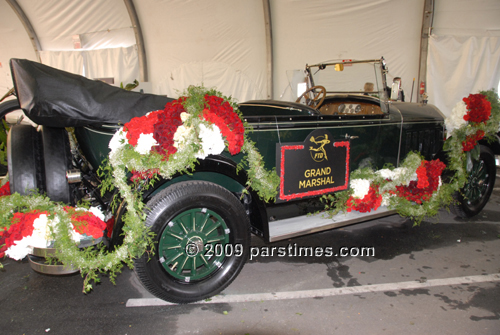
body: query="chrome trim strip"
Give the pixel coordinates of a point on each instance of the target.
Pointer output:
(308, 224)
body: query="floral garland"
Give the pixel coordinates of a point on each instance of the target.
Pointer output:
(34, 229)
(164, 143)
(416, 189)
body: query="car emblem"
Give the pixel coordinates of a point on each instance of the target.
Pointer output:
(318, 154)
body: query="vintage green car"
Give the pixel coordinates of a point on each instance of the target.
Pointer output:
(350, 119)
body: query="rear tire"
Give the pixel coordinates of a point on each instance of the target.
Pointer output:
(8, 106)
(25, 163)
(477, 190)
(190, 219)
(57, 160)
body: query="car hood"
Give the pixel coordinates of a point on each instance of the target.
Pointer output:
(417, 112)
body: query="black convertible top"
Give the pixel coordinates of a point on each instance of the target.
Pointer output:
(56, 98)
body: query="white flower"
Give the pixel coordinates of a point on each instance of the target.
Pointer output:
(20, 249)
(184, 116)
(75, 236)
(97, 212)
(360, 187)
(385, 199)
(456, 119)
(386, 173)
(211, 141)
(181, 135)
(118, 140)
(401, 176)
(41, 231)
(145, 143)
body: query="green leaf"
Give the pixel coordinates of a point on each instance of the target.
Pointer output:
(447, 145)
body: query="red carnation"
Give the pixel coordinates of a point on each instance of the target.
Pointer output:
(478, 108)
(471, 140)
(5, 189)
(372, 200)
(87, 223)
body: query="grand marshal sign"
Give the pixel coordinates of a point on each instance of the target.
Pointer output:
(317, 166)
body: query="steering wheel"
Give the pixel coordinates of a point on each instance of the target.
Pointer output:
(313, 99)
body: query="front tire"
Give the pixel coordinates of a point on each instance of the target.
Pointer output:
(201, 244)
(477, 190)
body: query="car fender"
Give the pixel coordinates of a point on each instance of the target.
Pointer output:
(221, 171)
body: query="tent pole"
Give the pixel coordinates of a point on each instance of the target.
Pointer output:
(27, 25)
(427, 19)
(139, 40)
(269, 47)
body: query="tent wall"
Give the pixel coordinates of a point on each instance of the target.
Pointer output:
(218, 43)
(14, 42)
(464, 50)
(222, 43)
(315, 31)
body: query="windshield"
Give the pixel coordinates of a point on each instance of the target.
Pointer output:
(355, 77)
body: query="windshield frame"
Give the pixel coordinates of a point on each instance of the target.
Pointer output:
(380, 84)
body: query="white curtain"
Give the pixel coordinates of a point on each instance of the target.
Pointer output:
(121, 64)
(460, 65)
(71, 61)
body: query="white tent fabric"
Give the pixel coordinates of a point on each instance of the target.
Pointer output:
(217, 43)
(222, 43)
(99, 24)
(316, 31)
(464, 51)
(460, 65)
(14, 43)
(118, 63)
(71, 61)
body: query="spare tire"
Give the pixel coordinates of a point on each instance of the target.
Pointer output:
(24, 156)
(57, 160)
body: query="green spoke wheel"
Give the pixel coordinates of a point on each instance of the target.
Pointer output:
(202, 242)
(477, 184)
(477, 191)
(186, 241)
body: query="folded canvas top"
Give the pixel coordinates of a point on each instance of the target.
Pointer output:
(56, 98)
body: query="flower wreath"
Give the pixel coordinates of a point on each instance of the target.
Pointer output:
(416, 189)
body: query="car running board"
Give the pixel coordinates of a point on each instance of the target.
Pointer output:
(308, 224)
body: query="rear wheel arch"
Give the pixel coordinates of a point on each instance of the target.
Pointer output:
(224, 173)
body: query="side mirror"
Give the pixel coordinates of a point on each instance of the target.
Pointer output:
(397, 93)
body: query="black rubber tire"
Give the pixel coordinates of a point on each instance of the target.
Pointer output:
(463, 207)
(168, 204)
(25, 163)
(8, 106)
(57, 160)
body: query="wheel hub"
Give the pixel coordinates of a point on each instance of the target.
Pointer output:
(194, 246)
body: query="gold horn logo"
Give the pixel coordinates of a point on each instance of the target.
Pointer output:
(318, 154)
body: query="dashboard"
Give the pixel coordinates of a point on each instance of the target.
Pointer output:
(350, 108)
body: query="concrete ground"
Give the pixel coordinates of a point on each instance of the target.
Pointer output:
(442, 277)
